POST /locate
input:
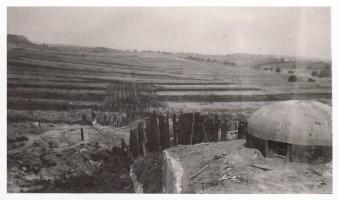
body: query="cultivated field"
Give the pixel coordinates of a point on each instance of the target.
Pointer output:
(53, 92)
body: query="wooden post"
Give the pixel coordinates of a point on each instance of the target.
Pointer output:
(289, 152)
(83, 118)
(156, 132)
(209, 129)
(192, 130)
(267, 149)
(194, 136)
(216, 126)
(245, 129)
(114, 120)
(226, 128)
(223, 127)
(204, 124)
(161, 131)
(175, 131)
(167, 132)
(198, 129)
(148, 135)
(133, 143)
(185, 126)
(93, 115)
(180, 130)
(240, 129)
(82, 134)
(141, 139)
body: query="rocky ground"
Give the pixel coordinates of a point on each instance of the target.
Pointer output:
(54, 158)
(230, 167)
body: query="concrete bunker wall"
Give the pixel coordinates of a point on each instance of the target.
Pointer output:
(298, 153)
(172, 173)
(301, 153)
(257, 143)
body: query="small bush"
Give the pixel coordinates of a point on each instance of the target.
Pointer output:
(310, 80)
(292, 78)
(278, 70)
(314, 73)
(326, 72)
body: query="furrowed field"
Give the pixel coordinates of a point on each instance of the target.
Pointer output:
(47, 78)
(54, 91)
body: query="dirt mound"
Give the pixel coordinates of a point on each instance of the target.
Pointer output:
(58, 158)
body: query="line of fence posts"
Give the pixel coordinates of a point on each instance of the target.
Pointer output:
(111, 119)
(242, 129)
(153, 133)
(122, 99)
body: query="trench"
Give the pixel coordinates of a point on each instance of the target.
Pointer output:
(159, 172)
(146, 173)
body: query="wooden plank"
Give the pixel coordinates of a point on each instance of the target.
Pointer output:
(141, 139)
(198, 172)
(161, 120)
(175, 130)
(197, 130)
(167, 134)
(267, 149)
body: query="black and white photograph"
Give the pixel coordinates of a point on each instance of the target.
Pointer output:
(169, 100)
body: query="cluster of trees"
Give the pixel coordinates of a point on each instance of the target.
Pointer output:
(198, 59)
(148, 51)
(278, 70)
(310, 80)
(18, 39)
(292, 78)
(279, 60)
(229, 63)
(325, 72)
(209, 60)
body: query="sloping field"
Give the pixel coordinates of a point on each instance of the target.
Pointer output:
(41, 74)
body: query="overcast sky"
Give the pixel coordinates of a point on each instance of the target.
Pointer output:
(289, 31)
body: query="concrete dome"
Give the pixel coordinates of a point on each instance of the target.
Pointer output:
(294, 122)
